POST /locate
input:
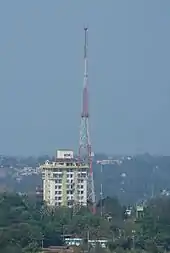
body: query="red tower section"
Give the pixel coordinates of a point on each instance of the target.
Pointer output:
(85, 153)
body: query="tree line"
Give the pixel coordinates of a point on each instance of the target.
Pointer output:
(27, 225)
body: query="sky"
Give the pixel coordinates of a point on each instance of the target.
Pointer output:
(41, 75)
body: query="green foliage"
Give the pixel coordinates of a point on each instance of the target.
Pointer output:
(27, 226)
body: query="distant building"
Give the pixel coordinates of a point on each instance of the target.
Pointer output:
(139, 211)
(64, 180)
(79, 241)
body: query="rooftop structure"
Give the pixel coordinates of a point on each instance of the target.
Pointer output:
(65, 180)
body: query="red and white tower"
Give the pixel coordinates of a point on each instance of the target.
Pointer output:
(85, 152)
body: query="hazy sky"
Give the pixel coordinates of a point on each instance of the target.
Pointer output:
(41, 75)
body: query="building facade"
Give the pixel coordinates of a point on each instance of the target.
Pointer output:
(64, 180)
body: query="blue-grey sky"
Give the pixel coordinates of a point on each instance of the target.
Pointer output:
(41, 75)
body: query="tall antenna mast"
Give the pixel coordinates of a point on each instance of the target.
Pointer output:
(85, 152)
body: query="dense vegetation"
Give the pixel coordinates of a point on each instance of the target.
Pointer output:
(26, 225)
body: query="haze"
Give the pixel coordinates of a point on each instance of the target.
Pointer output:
(41, 75)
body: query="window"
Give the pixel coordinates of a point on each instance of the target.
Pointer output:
(69, 175)
(58, 181)
(70, 203)
(69, 192)
(69, 186)
(80, 181)
(55, 175)
(58, 203)
(83, 175)
(58, 192)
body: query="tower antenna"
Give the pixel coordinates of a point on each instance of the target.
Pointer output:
(85, 152)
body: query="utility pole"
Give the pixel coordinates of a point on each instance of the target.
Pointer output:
(88, 238)
(42, 242)
(101, 191)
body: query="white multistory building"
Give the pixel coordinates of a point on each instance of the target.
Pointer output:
(64, 180)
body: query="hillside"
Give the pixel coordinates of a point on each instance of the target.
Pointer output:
(131, 180)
